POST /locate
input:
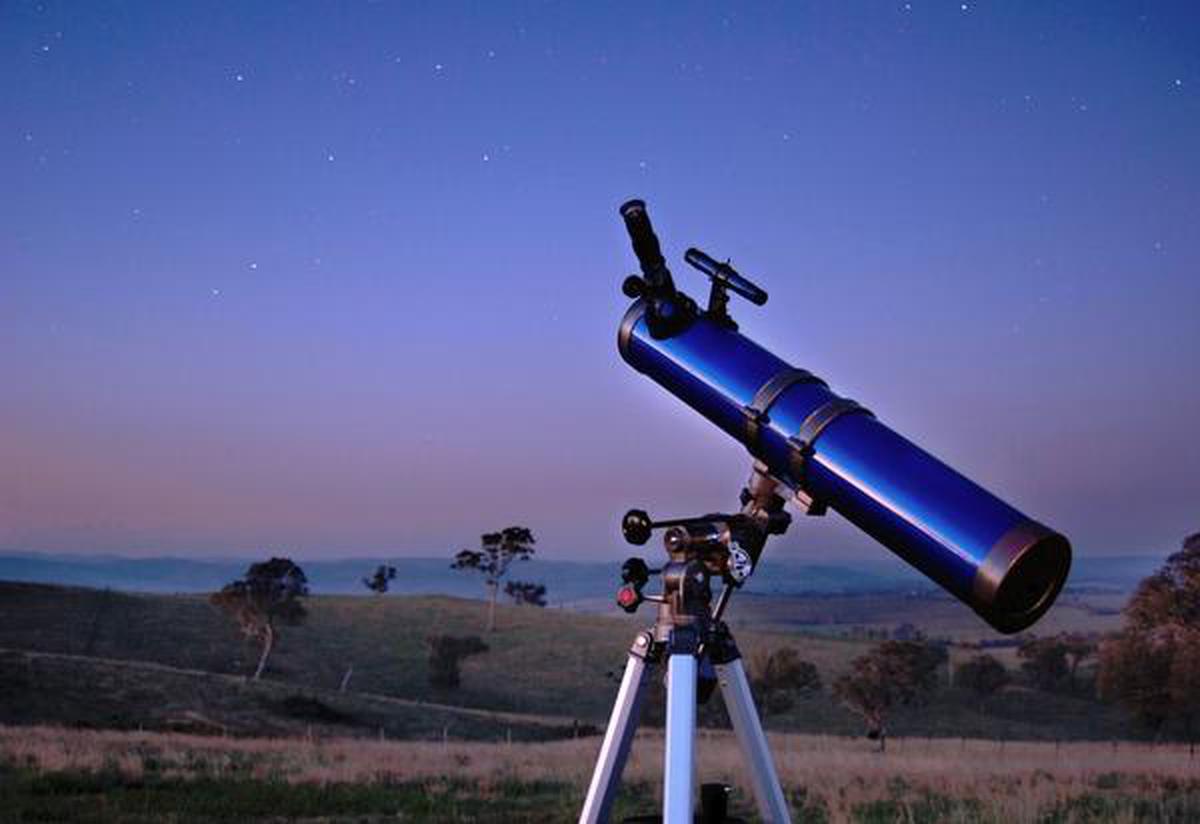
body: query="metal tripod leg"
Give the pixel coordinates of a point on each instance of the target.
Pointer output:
(679, 760)
(735, 689)
(618, 736)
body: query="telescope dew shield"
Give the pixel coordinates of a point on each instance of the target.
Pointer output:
(1004, 565)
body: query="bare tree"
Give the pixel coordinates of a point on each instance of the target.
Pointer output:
(526, 592)
(497, 551)
(893, 674)
(379, 581)
(265, 598)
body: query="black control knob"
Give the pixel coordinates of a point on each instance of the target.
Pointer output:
(634, 571)
(636, 526)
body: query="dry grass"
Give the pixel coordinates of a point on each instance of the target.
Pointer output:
(1008, 782)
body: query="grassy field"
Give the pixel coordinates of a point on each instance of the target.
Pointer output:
(57, 774)
(541, 663)
(100, 693)
(155, 719)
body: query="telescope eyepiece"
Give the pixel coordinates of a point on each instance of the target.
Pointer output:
(668, 312)
(645, 242)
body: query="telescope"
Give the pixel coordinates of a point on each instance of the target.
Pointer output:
(819, 450)
(829, 451)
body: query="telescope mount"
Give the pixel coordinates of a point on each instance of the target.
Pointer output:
(699, 651)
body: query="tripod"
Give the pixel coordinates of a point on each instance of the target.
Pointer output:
(699, 651)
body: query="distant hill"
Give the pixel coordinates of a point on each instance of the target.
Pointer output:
(568, 582)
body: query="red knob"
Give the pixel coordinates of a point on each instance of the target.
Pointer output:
(628, 598)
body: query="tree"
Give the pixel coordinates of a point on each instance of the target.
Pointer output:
(895, 673)
(1152, 667)
(265, 598)
(496, 553)
(982, 674)
(779, 676)
(1052, 663)
(1044, 661)
(1076, 649)
(446, 652)
(525, 592)
(378, 582)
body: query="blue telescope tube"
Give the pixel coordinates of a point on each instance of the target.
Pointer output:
(1004, 565)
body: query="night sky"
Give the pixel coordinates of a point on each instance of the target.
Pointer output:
(343, 279)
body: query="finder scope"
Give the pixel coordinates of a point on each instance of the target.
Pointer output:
(829, 450)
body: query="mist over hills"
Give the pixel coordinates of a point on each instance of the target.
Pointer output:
(568, 582)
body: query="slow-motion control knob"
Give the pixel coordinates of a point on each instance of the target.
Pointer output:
(636, 526)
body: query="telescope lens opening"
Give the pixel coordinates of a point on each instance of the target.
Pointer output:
(1031, 583)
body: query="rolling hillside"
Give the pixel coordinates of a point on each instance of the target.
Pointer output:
(550, 662)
